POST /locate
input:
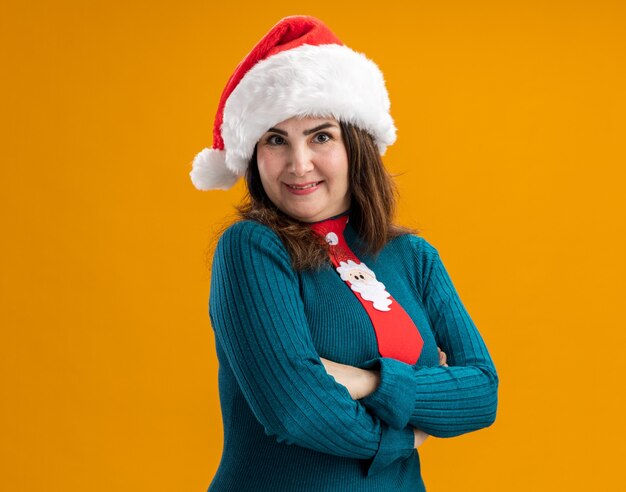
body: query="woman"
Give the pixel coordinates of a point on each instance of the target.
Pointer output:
(327, 317)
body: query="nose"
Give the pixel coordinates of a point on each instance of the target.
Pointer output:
(300, 160)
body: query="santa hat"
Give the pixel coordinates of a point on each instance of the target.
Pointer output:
(299, 68)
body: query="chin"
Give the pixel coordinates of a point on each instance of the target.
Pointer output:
(306, 218)
(304, 215)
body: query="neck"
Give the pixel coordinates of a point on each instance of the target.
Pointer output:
(347, 212)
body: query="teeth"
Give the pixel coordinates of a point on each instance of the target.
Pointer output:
(304, 187)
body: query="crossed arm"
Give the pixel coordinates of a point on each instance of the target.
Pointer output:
(363, 382)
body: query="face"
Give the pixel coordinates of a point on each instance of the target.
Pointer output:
(303, 166)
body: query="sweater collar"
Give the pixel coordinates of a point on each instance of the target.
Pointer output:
(340, 225)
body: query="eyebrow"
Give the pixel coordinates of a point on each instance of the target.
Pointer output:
(305, 132)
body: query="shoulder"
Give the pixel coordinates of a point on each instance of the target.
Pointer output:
(248, 232)
(414, 245)
(418, 256)
(246, 243)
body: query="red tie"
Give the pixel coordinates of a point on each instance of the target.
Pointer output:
(396, 334)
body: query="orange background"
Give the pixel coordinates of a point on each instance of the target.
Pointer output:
(511, 156)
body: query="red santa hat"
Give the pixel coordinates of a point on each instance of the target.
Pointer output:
(299, 68)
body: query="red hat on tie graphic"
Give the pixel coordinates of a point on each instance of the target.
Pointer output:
(299, 68)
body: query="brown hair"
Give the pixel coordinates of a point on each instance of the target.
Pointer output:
(373, 204)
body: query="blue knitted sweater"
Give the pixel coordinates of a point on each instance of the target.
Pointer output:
(288, 425)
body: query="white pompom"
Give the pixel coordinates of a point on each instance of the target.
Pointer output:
(209, 171)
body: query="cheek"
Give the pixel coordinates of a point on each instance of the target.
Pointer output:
(342, 178)
(337, 166)
(266, 181)
(268, 170)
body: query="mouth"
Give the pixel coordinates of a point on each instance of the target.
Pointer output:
(303, 188)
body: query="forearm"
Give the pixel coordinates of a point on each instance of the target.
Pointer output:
(442, 401)
(465, 399)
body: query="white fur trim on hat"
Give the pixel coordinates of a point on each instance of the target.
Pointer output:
(325, 81)
(209, 171)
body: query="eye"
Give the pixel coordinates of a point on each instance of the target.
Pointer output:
(275, 140)
(322, 137)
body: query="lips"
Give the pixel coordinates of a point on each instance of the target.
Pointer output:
(303, 186)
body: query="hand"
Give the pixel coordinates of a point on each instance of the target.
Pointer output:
(359, 382)
(420, 437)
(442, 358)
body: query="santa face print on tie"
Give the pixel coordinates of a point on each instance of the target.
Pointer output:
(362, 280)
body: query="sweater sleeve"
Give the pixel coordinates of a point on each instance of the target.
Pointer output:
(441, 401)
(258, 317)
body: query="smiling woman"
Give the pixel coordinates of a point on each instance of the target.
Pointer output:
(332, 324)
